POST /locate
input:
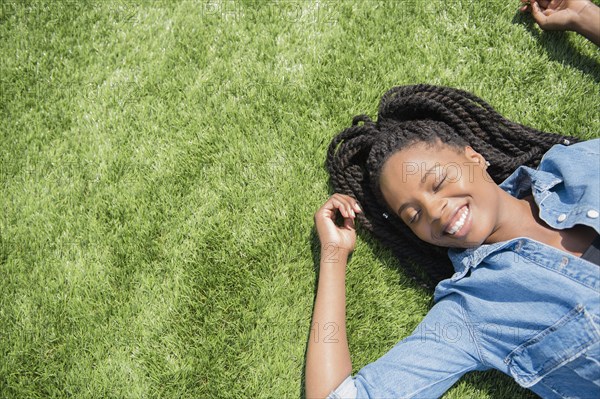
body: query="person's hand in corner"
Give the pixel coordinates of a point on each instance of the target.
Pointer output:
(581, 16)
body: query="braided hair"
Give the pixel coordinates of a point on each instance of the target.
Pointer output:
(424, 113)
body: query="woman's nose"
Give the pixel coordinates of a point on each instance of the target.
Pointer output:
(435, 208)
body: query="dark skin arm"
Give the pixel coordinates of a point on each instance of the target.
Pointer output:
(581, 16)
(328, 357)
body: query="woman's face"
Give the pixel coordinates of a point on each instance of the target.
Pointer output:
(444, 195)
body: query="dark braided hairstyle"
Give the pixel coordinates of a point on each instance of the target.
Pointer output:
(424, 113)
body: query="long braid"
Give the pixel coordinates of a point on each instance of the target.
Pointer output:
(409, 114)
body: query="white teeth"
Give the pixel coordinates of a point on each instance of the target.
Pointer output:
(459, 223)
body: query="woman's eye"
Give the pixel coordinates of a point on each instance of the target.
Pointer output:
(437, 187)
(415, 217)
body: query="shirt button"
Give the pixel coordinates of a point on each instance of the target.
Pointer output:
(592, 213)
(562, 217)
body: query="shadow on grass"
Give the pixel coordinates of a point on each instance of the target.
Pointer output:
(559, 47)
(494, 383)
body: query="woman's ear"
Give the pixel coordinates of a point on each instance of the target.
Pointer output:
(474, 156)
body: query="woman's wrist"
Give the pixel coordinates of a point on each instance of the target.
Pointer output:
(587, 22)
(334, 254)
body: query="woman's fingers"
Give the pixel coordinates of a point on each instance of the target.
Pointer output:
(349, 224)
(537, 13)
(342, 207)
(347, 205)
(543, 3)
(344, 204)
(543, 7)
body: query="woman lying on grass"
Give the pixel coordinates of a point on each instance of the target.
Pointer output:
(517, 263)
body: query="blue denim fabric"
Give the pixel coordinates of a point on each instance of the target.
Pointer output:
(520, 306)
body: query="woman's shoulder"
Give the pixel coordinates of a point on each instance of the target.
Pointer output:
(574, 165)
(582, 148)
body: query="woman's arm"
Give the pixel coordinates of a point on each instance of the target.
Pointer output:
(328, 357)
(581, 16)
(588, 23)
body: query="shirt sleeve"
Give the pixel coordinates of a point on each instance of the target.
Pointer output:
(424, 365)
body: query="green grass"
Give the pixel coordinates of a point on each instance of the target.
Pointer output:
(160, 165)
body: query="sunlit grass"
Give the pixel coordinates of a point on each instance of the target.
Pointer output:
(161, 162)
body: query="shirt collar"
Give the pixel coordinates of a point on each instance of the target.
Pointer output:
(520, 183)
(465, 259)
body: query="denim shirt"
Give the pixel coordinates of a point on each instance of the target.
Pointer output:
(519, 306)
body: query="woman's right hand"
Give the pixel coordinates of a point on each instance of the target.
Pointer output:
(555, 14)
(331, 235)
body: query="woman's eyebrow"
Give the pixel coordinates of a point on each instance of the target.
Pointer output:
(430, 171)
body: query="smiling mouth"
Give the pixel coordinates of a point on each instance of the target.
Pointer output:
(458, 224)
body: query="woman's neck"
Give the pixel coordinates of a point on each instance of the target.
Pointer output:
(516, 217)
(520, 218)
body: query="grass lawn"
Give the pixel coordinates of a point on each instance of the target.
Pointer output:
(161, 162)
